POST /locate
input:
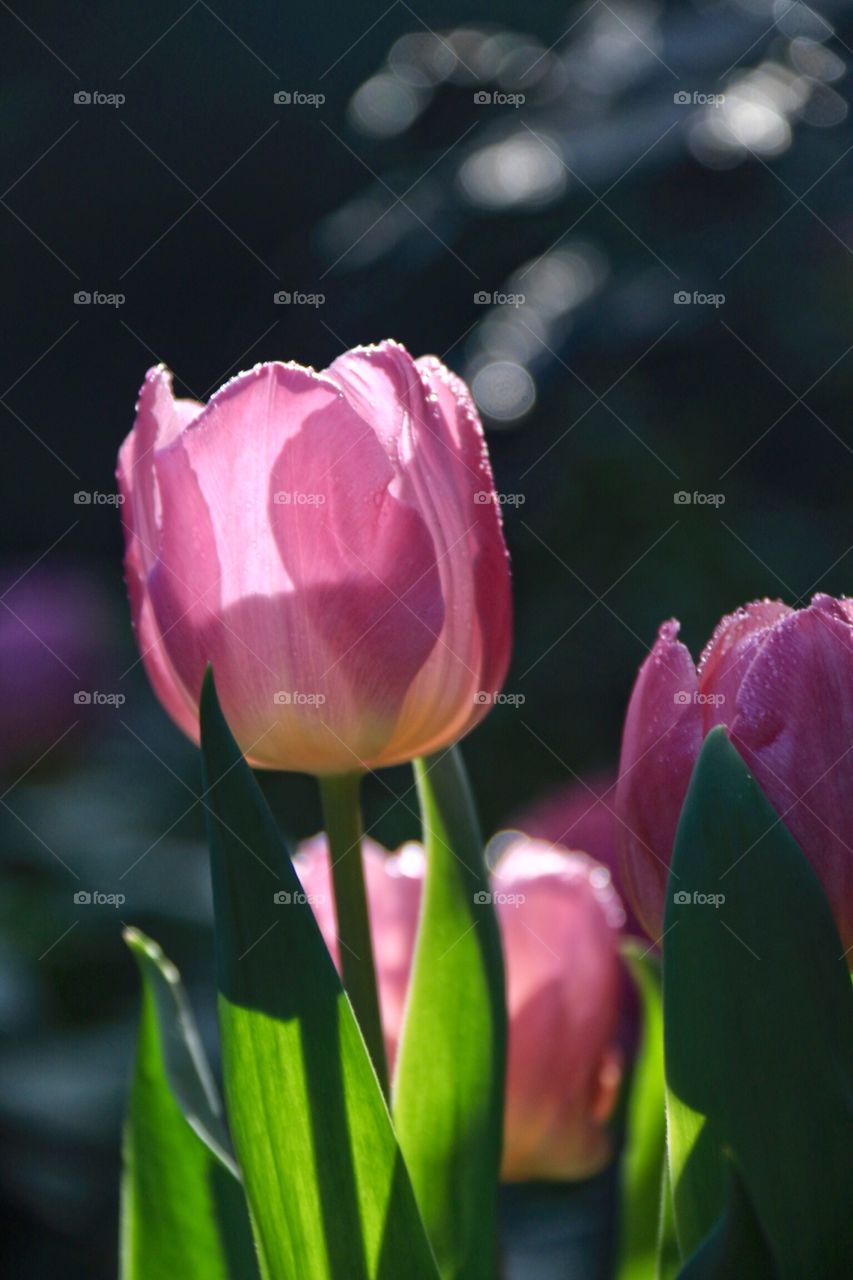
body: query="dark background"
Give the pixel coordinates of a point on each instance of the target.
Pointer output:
(398, 198)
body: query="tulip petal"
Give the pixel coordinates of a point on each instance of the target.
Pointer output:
(160, 418)
(298, 591)
(662, 735)
(563, 983)
(428, 422)
(794, 728)
(728, 654)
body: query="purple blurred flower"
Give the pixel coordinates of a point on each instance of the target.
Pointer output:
(54, 638)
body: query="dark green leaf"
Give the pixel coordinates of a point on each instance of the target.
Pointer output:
(758, 1017)
(329, 1192)
(183, 1209)
(448, 1090)
(735, 1246)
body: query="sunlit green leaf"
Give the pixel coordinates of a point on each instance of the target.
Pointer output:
(448, 1090)
(327, 1186)
(644, 1151)
(183, 1210)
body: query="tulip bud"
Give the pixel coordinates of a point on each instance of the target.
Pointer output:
(321, 539)
(559, 918)
(781, 681)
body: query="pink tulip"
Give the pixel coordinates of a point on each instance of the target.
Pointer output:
(781, 681)
(331, 543)
(582, 815)
(559, 918)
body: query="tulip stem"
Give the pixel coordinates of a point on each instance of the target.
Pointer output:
(342, 818)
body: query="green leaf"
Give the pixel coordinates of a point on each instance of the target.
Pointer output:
(758, 1017)
(329, 1194)
(735, 1246)
(644, 1152)
(668, 1257)
(448, 1090)
(183, 1209)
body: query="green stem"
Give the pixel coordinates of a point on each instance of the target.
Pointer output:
(342, 817)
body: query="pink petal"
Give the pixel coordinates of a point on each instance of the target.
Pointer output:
(728, 654)
(661, 739)
(563, 985)
(794, 727)
(306, 597)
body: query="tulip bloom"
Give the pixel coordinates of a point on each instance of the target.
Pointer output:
(559, 918)
(332, 544)
(781, 681)
(582, 815)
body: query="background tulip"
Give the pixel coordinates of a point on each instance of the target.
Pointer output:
(781, 680)
(331, 543)
(582, 815)
(559, 917)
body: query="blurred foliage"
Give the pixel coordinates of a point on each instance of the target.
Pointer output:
(400, 199)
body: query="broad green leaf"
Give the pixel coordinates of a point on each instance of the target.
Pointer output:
(735, 1246)
(758, 1018)
(644, 1152)
(328, 1190)
(668, 1257)
(448, 1090)
(183, 1209)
